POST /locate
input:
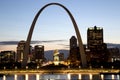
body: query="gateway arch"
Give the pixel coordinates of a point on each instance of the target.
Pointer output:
(81, 48)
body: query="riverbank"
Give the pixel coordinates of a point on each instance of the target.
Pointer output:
(73, 71)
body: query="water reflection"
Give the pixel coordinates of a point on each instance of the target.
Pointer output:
(37, 77)
(53, 76)
(60, 76)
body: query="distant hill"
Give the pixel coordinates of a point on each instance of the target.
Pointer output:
(113, 45)
(49, 54)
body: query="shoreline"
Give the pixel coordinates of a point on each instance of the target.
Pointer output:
(71, 71)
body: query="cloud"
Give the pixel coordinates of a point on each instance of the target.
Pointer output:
(65, 46)
(32, 42)
(8, 42)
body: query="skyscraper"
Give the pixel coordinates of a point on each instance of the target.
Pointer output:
(39, 53)
(95, 42)
(20, 50)
(74, 55)
(73, 42)
(95, 37)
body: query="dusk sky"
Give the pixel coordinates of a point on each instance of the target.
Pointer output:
(16, 17)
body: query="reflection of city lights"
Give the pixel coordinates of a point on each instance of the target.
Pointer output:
(26, 76)
(4, 77)
(80, 77)
(37, 77)
(118, 77)
(69, 77)
(90, 75)
(15, 77)
(112, 77)
(102, 77)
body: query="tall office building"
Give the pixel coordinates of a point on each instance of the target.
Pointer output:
(95, 37)
(20, 51)
(95, 43)
(39, 53)
(74, 55)
(73, 42)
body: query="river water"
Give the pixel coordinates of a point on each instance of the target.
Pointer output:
(53, 76)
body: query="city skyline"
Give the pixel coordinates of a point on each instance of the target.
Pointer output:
(16, 18)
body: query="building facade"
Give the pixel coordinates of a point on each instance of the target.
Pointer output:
(20, 51)
(94, 37)
(39, 53)
(74, 54)
(7, 57)
(95, 44)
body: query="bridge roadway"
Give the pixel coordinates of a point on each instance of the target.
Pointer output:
(64, 71)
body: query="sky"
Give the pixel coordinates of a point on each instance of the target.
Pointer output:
(54, 24)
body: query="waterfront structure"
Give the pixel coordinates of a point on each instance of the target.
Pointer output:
(20, 51)
(7, 56)
(97, 49)
(80, 44)
(39, 53)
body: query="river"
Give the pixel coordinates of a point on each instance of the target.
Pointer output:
(63, 76)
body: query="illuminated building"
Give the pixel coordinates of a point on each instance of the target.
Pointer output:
(95, 38)
(7, 56)
(74, 55)
(39, 53)
(20, 50)
(56, 57)
(97, 48)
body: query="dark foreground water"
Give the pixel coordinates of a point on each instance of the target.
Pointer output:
(59, 77)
